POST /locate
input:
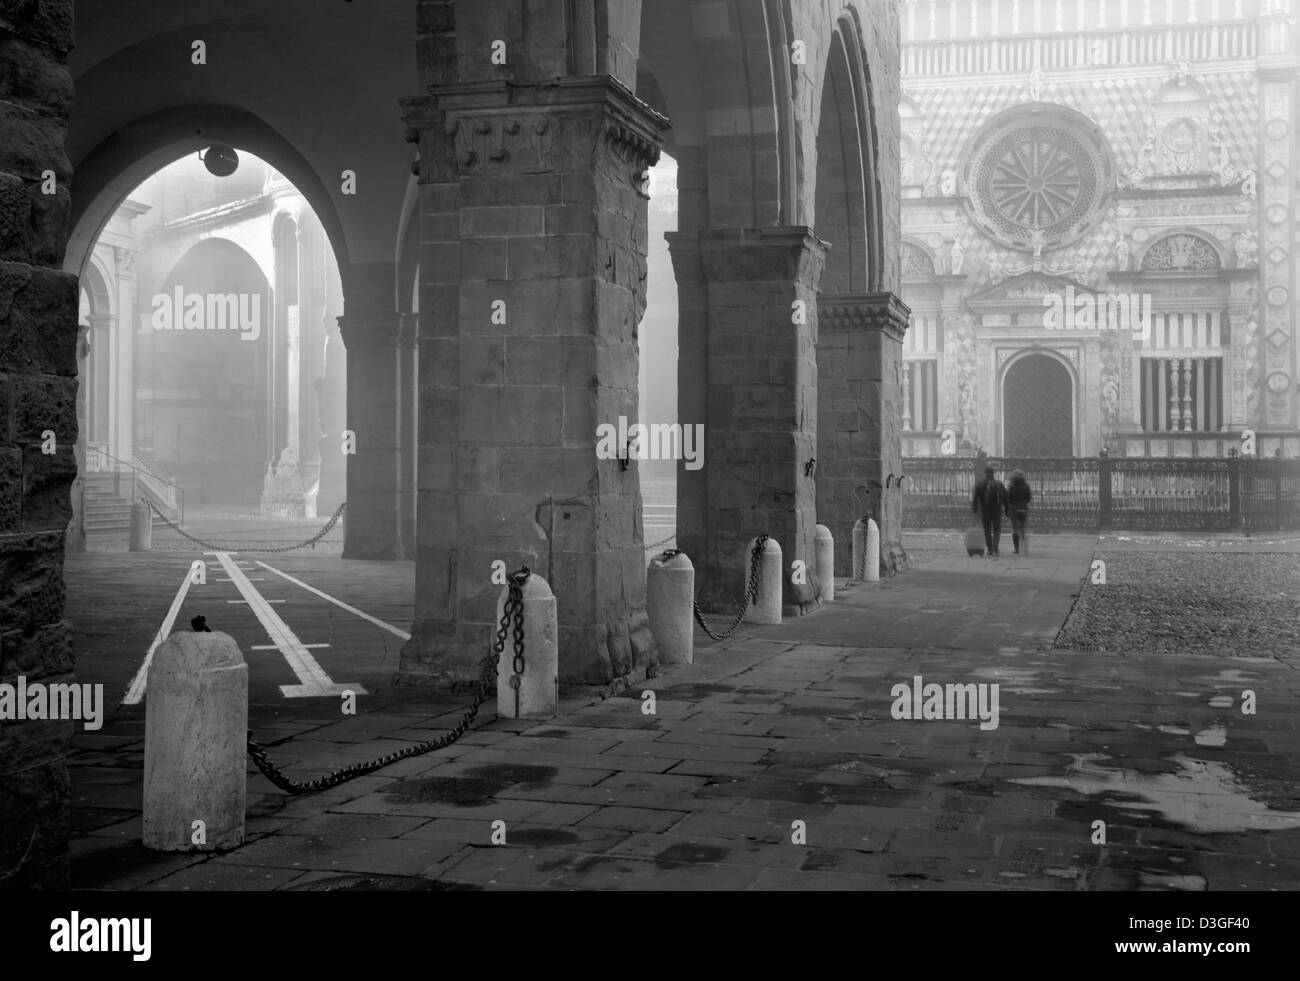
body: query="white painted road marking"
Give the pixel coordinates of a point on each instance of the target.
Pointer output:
(136, 692)
(337, 602)
(314, 680)
(272, 647)
(245, 601)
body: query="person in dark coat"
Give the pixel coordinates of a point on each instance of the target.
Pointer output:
(989, 501)
(1018, 497)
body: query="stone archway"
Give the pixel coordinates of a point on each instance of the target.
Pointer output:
(1037, 408)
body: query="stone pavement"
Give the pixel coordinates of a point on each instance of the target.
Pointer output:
(775, 762)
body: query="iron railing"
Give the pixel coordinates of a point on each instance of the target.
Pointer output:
(166, 495)
(1123, 493)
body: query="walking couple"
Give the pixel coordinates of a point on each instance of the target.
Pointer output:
(991, 499)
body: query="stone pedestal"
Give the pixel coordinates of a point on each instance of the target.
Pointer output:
(532, 279)
(747, 370)
(369, 327)
(288, 488)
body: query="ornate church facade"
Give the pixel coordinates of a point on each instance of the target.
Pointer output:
(1098, 227)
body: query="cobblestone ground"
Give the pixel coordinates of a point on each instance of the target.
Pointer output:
(776, 761)
(1214, 603)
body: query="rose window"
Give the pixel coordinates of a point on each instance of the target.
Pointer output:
(1036, 182)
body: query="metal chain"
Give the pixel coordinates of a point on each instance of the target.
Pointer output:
(514, 606)
(751, 591)
(656, 545)
(329, 525)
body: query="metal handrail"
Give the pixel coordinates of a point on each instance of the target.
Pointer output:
(179, 491)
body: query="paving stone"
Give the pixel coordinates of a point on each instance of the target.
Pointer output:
(678, 849)
(624, 872)
(383, 856)
(760, 733)
(632, 819)
(357, 825)
(819, 881)
(218, 876)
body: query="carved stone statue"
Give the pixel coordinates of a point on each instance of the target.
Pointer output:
(1036, 240)
(956, 256)
(1122, 254)
(1245, 249)
(1110, 398)
(966, 406)
(1221, 163)
(1035, 86)
(931, 172)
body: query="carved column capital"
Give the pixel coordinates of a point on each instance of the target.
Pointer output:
(499, 129)
(369, 333)
(884, 312)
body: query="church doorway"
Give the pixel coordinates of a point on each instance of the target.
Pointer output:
(1037, 408)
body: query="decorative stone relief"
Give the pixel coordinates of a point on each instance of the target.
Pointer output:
(1182, 251)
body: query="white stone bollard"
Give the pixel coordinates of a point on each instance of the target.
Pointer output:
(872, 551)
(539, 685)
(766, 609)
(824, 555)
(141, 527)
(670, 604)
(195, 744)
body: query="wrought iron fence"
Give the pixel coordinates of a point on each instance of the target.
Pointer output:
(1125, 493)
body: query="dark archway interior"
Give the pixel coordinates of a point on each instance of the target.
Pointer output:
(1038, 414)
(201, 394)
(841, 207)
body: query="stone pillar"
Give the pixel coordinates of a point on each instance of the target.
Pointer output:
(859, 359)
(1243, 353)
(331, 403)
(121, 443)
(408, 410)
(38, 392)
(532, 269)
(369, 327)
(1276, 234)
(747, 358)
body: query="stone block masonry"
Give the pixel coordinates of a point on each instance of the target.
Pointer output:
(859, 406)
(532, 286)
(38, 333)
(748, 336)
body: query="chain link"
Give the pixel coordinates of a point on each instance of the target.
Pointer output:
(514, 607)
(751, 591)
(210, 546)
(656, 545)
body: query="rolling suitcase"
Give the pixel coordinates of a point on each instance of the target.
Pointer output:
(975, 540)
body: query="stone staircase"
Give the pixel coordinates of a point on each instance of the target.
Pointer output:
(107, 515)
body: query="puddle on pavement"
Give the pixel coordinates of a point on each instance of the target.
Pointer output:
(1015, 680)
(1167, 730)
(1234, 676)
(378, 883)
(1203, 796)
(476, 788)
(1213, 736)
(1167, 880)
